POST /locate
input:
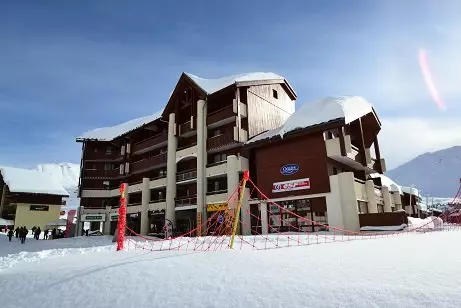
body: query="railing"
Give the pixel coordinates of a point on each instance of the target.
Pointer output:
(134, 203)
(186, 128)
(186, 201)
(158, 177)
(157, 200)
(150, 142)
(216, 192)
(220, 140)
(147, 163)
(220, 114)
(101, 173)
(185, 144)
(187, 175)
(103, 156)
(216, 163)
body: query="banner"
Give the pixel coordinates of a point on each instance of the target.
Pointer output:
(291, 185)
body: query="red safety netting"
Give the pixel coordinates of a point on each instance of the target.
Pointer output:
(271, 226)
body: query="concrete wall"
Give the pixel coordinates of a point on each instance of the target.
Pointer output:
(28, 218)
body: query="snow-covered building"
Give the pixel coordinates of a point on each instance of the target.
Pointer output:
(325, 155)
(183, 162)
(30, 197)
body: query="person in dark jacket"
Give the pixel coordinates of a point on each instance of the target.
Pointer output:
(10, 234)
(16, 232)
(23, 234)
(45, 234)
(53, 234)
(37, 233)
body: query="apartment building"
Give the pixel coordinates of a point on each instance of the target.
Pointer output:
(325, 164)
(30, 198)
(181, 163)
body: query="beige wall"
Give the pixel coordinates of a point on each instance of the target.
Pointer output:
(28, 218)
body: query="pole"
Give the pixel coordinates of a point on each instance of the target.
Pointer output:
(246, 176)
(122, 217)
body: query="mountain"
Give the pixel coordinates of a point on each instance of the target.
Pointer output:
(435, 173)
(67, 174)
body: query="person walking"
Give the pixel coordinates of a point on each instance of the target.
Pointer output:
(45, 234)
(16, 231)
(10, 234)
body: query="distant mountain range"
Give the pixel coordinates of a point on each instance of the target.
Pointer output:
(436, 173)
(67, 174)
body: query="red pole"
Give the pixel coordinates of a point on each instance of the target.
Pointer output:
(121, 217)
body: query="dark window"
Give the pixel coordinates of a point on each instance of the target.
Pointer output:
(275, 94)
(335, 171)
(108, 150)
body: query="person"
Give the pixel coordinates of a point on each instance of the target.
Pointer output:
(53, 234)
(10, 234)
(45, 234)
(23, 234)
(37, 233)
(16, 231)
(87, 231)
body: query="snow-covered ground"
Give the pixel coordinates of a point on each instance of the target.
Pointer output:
(402, 271)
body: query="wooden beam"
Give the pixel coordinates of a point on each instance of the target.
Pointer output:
(342, 143)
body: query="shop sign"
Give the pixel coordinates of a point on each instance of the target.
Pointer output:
(289, 169)
(299, 184)
(93, 217)
(43, 208)
(214, 207)
(113, 216)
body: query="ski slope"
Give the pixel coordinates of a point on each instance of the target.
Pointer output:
(412, 270)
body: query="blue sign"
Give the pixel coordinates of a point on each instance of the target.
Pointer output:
(289, 169)
(220, 219)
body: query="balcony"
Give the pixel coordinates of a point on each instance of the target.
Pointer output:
(103, 156)
(221, 117)
(218, 196)
(221, 141)
(149, 163)
(150, 143)
(157, 182)
(186, 201)
(187, 129)
(360, 190)
(101, 173)
(186, 176)
(217, 169)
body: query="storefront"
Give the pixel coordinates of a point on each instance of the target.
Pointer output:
(300, 215)
(216, 213)
(157, 223)
(186, 221)
(133, 221)
(95, 220)
(113, 223)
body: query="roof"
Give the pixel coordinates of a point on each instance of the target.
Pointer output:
(31, 181)
(410, 190)
(112, 132)
(385, 181)
(211, 86)
(346, 108)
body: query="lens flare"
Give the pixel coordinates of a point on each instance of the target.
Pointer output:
(425, 70)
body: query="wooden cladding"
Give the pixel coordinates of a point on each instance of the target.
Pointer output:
(186, 128)
(114, 155)
(222, 140)
(150, 143)
(149, 163)
(101, 173)
(219, 115)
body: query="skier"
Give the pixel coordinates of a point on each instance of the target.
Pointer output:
(10, 234)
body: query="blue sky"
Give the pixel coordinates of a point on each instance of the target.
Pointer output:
(70, 66)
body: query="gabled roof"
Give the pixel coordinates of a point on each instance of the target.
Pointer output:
(31, 181)
(327, 110)
(211, 86)
(112, 132)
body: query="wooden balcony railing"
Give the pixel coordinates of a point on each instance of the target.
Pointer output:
(148, 163)
(186, 201)
(150, 143)
(221, 140)
(101, 173)
(186, 128)
(186, 175)
(102, 156)
(221, 114)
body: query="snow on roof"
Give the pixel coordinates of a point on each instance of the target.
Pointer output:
(393, 186)
(31, 181)
(410, 190)
(349, 108)
(112, 132)
(211, 86)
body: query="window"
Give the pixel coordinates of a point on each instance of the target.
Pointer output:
(108, 150)
(216, 185)
(275, 94)
(160, 195)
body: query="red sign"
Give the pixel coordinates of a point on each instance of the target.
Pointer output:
(291, 185)
(70, 221)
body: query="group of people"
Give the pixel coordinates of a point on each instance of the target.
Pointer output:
(21, 233)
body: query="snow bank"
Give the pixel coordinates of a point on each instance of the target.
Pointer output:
(429, 223)
(31, 181)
